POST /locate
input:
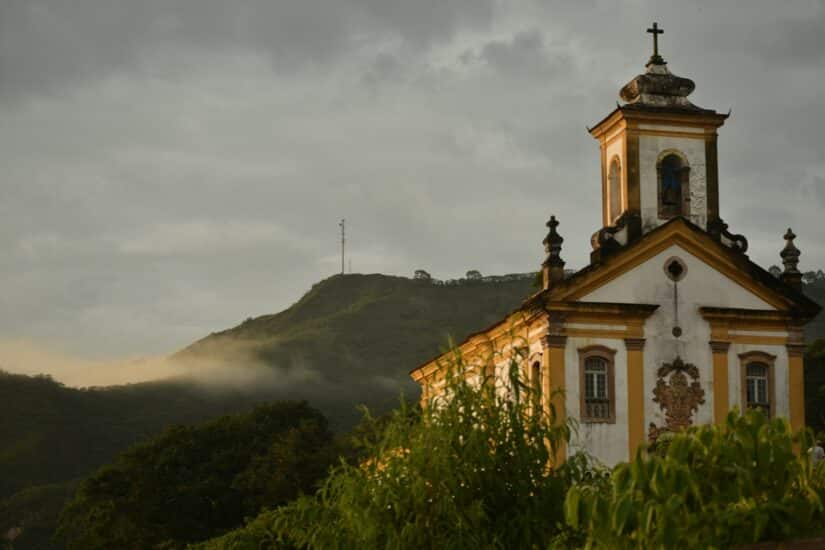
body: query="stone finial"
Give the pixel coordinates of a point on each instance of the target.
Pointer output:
(790, 259)
(553, 265)
(658, 87)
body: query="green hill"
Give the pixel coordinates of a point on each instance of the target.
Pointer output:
(354, 338)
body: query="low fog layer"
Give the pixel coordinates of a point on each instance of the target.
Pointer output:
(229, 370)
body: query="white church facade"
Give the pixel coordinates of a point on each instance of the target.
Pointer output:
(671, 324)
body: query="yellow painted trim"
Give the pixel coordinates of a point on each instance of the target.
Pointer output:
(757, 340)
(635, 401)
(796, 391)
(675, 234)
(618, 134)
(631, 120)
(482, 344)
(546, 383)
(672, 133)
(603, 157)
(721, 327)
(595, 333)
(555, 357)
(721, 390)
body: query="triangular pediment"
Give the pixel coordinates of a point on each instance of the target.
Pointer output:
(751, 285)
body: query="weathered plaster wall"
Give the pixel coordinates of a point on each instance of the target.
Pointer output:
(702, 286)
(650, 147)
(607, 442)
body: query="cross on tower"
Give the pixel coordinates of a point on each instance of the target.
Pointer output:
(656, 31)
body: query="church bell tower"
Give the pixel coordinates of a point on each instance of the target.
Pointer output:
(658, 156)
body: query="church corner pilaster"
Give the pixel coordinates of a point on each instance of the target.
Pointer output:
(554, 345)
(719, 346)
(795, 349)
(796, 384)
(554, 341)
(721, 377)
(634, 192)
(634, 344)
(635, 394)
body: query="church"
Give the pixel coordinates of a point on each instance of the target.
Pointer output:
(670, 324)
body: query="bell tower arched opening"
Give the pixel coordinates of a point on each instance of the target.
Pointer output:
(673, 185)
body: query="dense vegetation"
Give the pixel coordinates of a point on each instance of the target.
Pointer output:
(30, 516)
(711, 487)
(191, 483)
(51, 434)
(358, 335)
(473, 472)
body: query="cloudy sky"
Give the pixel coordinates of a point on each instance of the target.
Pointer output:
(171, 167)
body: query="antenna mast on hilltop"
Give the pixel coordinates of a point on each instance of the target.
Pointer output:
(343, 241)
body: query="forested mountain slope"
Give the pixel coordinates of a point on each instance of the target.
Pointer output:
(354, 338)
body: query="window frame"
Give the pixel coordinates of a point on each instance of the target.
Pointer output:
(762, 358)
(609, 357)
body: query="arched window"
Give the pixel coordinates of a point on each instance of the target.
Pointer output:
(757, 381)
(614, 183)
(673, 175)
(596, 386)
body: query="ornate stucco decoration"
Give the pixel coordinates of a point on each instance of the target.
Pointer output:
(678, 394)
(718, 229)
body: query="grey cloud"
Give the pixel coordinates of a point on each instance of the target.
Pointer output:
(48, 44)
(794, 38)
(191, 159)
(523, 55)
(427, 21)
(818, 188)
(384, 68)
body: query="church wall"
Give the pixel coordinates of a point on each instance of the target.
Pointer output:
(532, 336)
(650, 147)
(701, 286)
(608, 442)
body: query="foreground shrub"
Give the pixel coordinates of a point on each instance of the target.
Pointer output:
(710, 486)
(468, 472)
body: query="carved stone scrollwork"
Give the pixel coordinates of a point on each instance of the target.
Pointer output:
(609, 239)
(719, 231)
(679, 394)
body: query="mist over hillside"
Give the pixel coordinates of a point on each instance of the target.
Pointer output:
(356, 337)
